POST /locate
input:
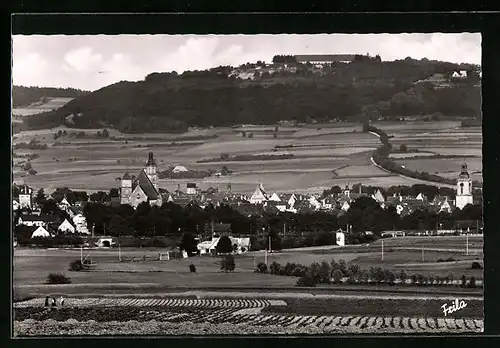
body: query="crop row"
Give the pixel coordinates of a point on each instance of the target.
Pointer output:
(223, 321)
(151, 302)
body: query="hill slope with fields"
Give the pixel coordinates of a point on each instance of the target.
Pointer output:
(168, 102)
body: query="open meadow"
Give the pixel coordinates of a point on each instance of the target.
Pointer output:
(324, 155)
(31, 266)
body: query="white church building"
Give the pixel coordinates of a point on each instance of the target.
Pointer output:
(464, 189)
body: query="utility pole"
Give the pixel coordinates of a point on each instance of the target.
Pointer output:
(119, 252)
(81, 254)
(467, 243)
(422, 254)
(382, 250)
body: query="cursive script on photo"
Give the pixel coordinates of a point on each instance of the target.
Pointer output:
(453, 307)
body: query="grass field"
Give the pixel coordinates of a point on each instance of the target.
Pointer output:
(31, 266)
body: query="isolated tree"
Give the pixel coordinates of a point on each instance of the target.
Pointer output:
(105, 133)
(403, 148)
(40, 196)
(189, 244)
(227, 263)
(224, 245)
(224, 156)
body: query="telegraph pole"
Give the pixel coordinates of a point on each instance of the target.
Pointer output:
(422, 254)
(382, 250)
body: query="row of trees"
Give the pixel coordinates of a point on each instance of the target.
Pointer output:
(364, 214)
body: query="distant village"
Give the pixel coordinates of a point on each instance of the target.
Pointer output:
(144, 187)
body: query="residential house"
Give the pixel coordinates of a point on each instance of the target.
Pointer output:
(15, 205)
(66, 227)
(462, 74)
(191, 188)
(34, 220)
(40, 231)
(328, 203)
(25, 199)
(240, 245)
(315, 203)
(259, 196)
(275, 198)
(80, 223)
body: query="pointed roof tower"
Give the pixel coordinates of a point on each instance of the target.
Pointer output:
(151, 160)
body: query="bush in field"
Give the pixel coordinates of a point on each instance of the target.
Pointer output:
(261, 268)
(192, 268)
(289, 268)
(227, 263)
(420, 279)
(450, 259)
(450, 278)
(353, 269)
(377, 275)
(314, 270)
(324, 273)
(472, 282)
(403, 276)
(476, 265)
(414, 279)
(337, 276)
(463, 281)
(274, 268)
(440, 260)
(75, 265)
(389, 277)
(58, 278)
(299, 271)
(306, 280)
(431, 280)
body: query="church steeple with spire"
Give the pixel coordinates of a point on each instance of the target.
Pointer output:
(151, 170)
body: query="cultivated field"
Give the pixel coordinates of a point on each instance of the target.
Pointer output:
(93, 163)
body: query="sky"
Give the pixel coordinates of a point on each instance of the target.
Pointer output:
(90, 62)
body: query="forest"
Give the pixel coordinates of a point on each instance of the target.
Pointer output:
(361, 90)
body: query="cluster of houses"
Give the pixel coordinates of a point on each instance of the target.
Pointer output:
(144, 188)
(44, 225)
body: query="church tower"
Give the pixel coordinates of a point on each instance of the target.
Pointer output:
(347, 191)
(126, 189)
(151, 170)
(464, 189)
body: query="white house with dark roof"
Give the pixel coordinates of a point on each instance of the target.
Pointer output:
(40, 231)
(259, 196)
(66, 227)
(143, 188)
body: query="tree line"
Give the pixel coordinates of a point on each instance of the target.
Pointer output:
(24, 96)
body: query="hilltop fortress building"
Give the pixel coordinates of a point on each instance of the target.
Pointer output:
(143, 188)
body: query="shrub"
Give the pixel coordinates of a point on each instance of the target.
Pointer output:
(337, 276)
(450, 278)
(389, 277)
(261, 268)
(439, 280)
(450, 259)
(192, 268)
(413, 279)
(463, 281)
(289, 268)
(431, 280)
(472, 282)
(299, 271)
(403, 276)
(420, 279)
(58, 278)
(324, 273)
(353, 269)
(227, 263)
(274, 268)
(440, 260)
(75, 265)
(306, 280)
(476, 265)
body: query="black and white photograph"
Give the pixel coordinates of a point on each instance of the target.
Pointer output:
(284, 184)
